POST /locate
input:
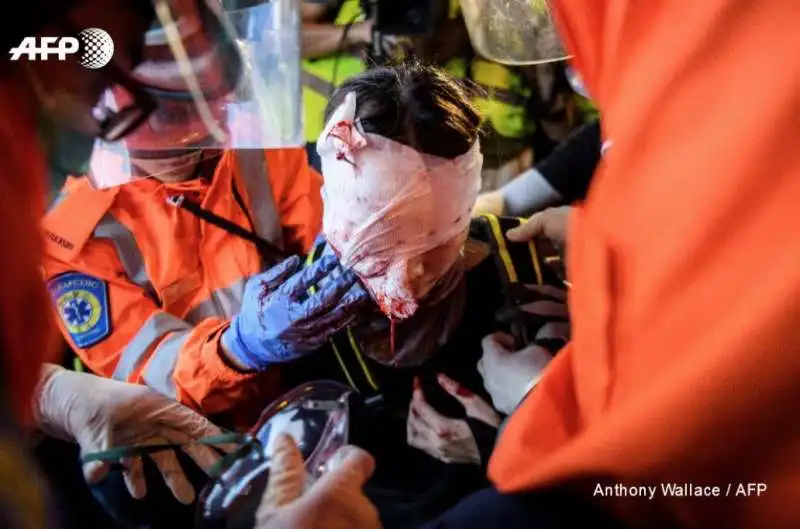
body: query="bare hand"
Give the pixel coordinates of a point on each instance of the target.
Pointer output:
(448, 440)
(336, 501)
(551, 223)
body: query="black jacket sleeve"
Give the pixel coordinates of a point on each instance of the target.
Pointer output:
(570, 167)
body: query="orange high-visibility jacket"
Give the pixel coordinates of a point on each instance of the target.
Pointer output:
(685, 263)
(27, 334)
(144, 289)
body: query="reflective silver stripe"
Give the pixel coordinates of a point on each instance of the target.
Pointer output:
(222, 303)
(321, 86)
(255, 176)
(151, 332)
(127, 250)
(159, 370)
(57, 200)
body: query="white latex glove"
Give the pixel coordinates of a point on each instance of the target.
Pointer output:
(336, 501)
(100, 414)
(509, 375)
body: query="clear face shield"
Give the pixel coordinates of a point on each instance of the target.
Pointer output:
(316, 415)
(213, 76)
(514, 32)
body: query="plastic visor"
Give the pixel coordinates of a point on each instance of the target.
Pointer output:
(514, 32)
(316, 415)
(221, 79)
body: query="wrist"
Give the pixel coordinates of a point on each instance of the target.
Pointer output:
(50, 405)
(39, 401)
(490, 203)
(234, 350)
(500, 202)
(360, 33)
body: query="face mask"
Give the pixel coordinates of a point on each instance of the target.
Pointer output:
(397, 217)
(173, 168)
(110, 168)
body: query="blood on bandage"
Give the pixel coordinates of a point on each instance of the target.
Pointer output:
(389, 221)
(350, 139)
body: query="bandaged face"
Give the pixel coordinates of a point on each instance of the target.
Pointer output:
(397, 217)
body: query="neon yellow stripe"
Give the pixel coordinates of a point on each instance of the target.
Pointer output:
(535, 258)
(357, 352)
(77, 365)
(344, 368)
(309, 262)
(502, 248)
(536, 266)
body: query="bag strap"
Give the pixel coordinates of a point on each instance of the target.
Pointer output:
(115, 454)
(246, 442)
(517, 264)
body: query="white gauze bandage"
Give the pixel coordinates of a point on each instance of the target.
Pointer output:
(397, 217)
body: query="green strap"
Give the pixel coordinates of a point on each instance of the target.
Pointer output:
(227, 460)
(115, 454)
(77, 365)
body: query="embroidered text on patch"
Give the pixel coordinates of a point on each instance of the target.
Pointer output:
(82, 303)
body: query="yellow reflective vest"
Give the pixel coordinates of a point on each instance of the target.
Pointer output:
(503, 105)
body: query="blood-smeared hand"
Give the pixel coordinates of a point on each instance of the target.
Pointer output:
(284, 315)
(448, 440)
(336, 501)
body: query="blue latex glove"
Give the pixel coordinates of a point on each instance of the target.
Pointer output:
(280, 320)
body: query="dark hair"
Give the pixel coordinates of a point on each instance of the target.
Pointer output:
(416, 105)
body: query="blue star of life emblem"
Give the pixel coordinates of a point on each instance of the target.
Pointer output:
(77, 311)
(82, 302)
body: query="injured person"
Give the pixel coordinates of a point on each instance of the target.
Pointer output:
(401, 164)
(401, 161)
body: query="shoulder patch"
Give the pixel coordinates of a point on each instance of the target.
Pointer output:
(82, 303)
